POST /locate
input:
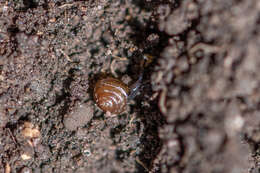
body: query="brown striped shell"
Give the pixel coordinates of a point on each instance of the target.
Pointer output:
(111, 94)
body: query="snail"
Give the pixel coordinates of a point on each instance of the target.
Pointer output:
(112, 95)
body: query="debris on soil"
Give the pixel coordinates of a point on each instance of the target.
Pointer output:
(7, 168)
(29, 131)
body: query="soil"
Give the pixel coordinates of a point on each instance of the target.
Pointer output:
(198, 109)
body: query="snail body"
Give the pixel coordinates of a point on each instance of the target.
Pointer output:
(112, 95)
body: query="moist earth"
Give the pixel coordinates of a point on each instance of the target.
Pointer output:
(198, 109)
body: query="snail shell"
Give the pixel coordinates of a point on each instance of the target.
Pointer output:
(111, 94)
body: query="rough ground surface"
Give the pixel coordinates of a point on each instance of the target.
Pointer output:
(198, 110)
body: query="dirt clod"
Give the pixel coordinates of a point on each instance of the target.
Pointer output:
(79, 117)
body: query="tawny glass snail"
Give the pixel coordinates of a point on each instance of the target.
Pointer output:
(112, 95)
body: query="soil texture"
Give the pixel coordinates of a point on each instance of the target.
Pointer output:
(197, 109)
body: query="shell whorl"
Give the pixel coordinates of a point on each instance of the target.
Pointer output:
(111, 95)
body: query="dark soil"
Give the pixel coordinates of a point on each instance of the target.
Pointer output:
(198, 110)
